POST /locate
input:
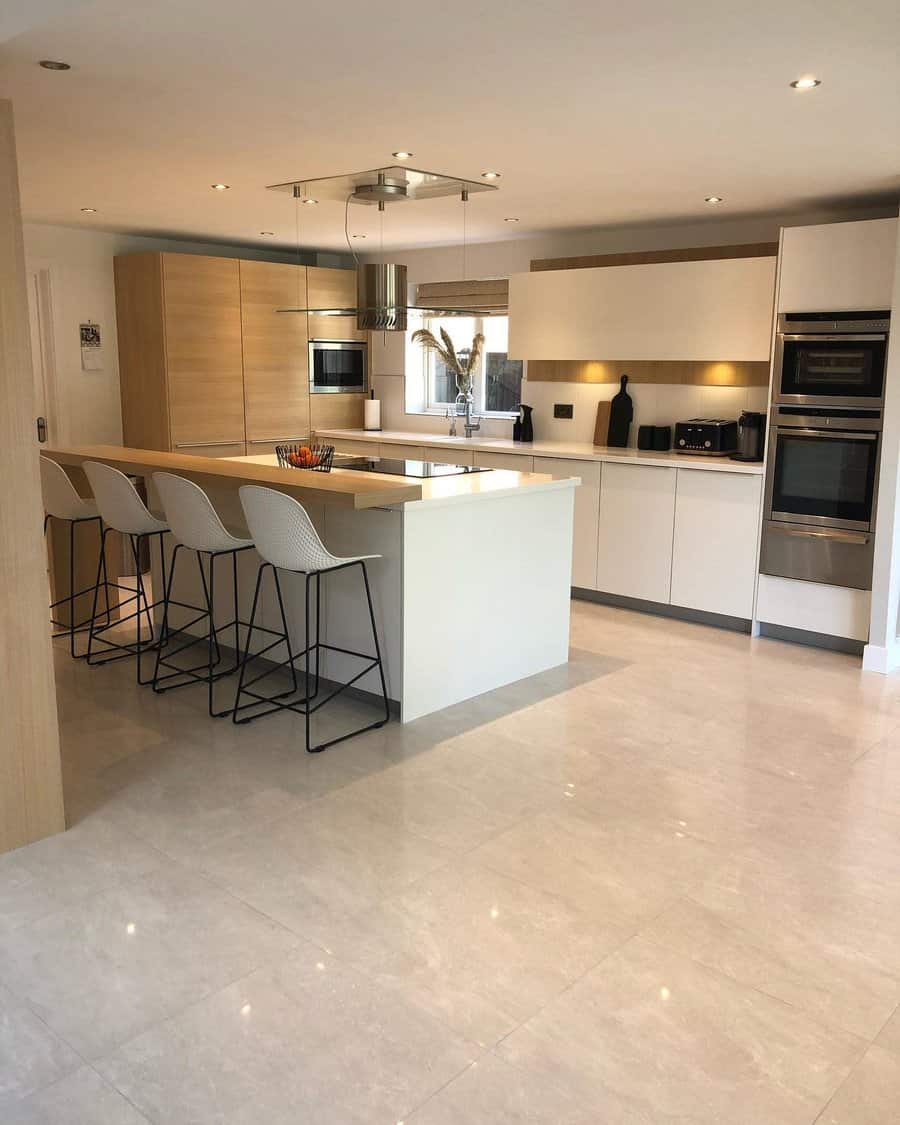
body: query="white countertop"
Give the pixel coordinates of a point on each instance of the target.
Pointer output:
(579, 451)
(437, 491)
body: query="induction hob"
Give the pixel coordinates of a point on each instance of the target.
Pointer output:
(396, 467)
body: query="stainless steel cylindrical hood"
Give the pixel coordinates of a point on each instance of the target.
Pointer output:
(381, 297)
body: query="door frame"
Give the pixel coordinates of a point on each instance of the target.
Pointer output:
(43, 282)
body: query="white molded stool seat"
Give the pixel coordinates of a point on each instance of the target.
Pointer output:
(61, 500)
(284, 534)
(119, 504)
(192, 519)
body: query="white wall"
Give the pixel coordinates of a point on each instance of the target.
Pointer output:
(654, 405)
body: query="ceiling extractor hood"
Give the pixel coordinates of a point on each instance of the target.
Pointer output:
(381, 289)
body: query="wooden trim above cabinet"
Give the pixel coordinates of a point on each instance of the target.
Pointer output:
(670, 372)
(652, 257)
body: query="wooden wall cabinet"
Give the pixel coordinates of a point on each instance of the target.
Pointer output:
(332, 289)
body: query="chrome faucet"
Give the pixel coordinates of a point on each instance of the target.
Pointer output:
(470, 426)
(451, 418)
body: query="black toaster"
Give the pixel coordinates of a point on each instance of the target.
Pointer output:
(712, 436)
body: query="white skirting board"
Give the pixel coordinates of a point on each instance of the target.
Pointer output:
(814, 607)
(878, 658)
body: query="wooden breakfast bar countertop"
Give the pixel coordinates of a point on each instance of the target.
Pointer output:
(342, 489)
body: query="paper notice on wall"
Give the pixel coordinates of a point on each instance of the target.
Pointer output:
(91, 347)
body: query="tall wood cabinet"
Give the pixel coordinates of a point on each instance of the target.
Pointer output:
(208, 366)
(276, 367)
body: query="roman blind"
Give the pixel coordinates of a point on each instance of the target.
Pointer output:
(492, 295)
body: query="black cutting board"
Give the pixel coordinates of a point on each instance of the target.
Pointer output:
(621, 413)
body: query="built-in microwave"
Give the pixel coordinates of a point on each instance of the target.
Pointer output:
(337, 366)
(831, 359)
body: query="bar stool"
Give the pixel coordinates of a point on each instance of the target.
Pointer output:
(124, 511)
(195, 526)
(62, 502)
(286, 540)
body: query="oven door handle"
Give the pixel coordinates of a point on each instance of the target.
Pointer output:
(826, 337)
(857, 538)
(857, 435)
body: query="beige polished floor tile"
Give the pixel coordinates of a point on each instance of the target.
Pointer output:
(650, 1036)
(889, 1037)
(312, 868)
(81, 1098)
(870, 1096)
(31, 1056)
(493, 1091)
(101, 971)
(824, 949)
(62, 870)
(452, 796)
(308, 1040)
(624, 865)
(480, 950)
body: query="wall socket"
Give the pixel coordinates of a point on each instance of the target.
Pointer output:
(562, 410)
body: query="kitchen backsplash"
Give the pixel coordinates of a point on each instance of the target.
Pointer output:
(655, 405)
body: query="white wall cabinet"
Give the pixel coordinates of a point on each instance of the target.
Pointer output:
(637, 512)
(707, 311)
(587, 514)
(837, 266)
(715, 542)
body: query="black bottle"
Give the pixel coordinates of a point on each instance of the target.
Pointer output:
(523, 427)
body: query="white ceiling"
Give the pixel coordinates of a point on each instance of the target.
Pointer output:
(596, 113)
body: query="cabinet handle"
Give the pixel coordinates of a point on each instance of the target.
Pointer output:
(271, 440)
(205, 444)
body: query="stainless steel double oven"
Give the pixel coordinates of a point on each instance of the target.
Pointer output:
(824, 447)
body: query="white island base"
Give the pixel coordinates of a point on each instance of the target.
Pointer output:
(471, 592)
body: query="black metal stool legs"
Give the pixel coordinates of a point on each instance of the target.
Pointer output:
(72, 628)
(313, 646)
(176, 676)
(116, 650)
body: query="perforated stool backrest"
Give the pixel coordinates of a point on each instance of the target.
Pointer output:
(194, 521)
(283, 532)
(119, 504)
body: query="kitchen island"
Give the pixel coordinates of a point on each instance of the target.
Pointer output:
(472, 588)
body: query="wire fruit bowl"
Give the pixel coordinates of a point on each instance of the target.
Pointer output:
(318, 457)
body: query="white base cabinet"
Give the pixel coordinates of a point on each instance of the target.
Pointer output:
(587, 514)
(517, 462)
(637, 511)
(715, 542)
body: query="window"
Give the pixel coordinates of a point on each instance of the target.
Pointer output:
(497, 384)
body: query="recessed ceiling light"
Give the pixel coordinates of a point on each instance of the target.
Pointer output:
(359, 236)
(402, 155)
(490, 175)
(220, 187)
(808, 83)
(89, 210)
(52, 64)
(309, 201)
(714, 199)
(510, 220)
(268, 233)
